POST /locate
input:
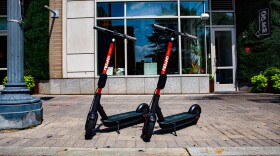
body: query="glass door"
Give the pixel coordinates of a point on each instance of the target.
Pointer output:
(3, 59)
(223, 59)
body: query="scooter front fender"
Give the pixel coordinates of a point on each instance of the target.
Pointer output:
(92, 116)
(152, 117)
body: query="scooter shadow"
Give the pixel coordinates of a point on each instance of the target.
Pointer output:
(115, 128)
(171, 130)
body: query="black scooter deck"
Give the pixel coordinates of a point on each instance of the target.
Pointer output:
(122, 118)
(178, 120)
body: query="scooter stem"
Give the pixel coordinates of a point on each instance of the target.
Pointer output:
(109, 54)
(165, 63)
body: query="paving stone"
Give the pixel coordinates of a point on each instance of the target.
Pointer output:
(140, 144)
(130, 144)
(31, 142)
(121, 143)
(60, 142)
(227, 120)
(161, 144)
(21, 142)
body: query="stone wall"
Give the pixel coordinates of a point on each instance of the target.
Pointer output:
(126, 86)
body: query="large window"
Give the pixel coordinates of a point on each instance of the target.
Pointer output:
(150, 47)
(193, 51)
(145, 55)
(3, 57)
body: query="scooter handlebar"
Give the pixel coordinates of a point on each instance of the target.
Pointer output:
(176, 32)
(115, 33)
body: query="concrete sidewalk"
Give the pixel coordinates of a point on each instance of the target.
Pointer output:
(230, 124)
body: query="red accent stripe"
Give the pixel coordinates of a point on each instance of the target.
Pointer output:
(112, 44)
(157, 91)
(99, 90)
(167, 54)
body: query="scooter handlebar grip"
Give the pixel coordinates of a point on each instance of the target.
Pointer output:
(178, 33)
(99, 28)
(190, 36)
(115, 33)
(160, 27)
(130, 37)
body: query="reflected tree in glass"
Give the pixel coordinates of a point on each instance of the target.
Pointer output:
(159, 40)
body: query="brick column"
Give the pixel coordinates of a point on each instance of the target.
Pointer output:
(55, 44)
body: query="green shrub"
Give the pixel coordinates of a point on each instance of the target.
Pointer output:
(276, 81)
(265, 50)
(28, 80)
(271, 71)
(36, 38)
(211, 77)
(259, 82)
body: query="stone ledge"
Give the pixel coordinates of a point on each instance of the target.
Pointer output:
(126, 85)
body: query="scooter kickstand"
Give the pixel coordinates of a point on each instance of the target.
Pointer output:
(174, 129)
(118, 125)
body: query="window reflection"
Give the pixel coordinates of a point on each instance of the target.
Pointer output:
(150, 47)
(207, 5)
(193, 53)
(224, 76)
(151, 9)
(223, 52)
(3, 23)
(117, 61)
(191, 8)
(110, 9)
(222, 18)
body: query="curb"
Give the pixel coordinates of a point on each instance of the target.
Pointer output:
(65, 151)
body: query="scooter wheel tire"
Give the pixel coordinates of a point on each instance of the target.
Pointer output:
(143, 108)
(90, 129)
(195, 109)
(148, 131)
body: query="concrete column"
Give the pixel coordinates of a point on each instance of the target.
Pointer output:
(17, 108)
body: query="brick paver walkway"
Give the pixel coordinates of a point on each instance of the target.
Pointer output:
(227, 120)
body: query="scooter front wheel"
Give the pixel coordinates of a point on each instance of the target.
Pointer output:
(90, 128)
(143, 108)
(148, 130)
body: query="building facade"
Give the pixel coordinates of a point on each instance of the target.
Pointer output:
(77, 52)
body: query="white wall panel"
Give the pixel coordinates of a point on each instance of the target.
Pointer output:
(80, 35)
(76, 9)
(80, 63)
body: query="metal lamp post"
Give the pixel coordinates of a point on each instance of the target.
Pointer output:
(18, 109)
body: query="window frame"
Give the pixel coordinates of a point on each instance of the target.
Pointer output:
(125, 18)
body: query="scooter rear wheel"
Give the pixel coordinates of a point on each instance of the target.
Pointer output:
(90, 128)
(147, 131)
(195, 109)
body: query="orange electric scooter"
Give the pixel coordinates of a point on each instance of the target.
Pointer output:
(173, 121)
(113, 120)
